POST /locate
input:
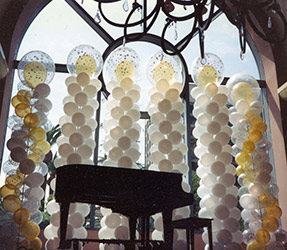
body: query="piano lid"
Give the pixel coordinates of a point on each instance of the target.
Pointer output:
(120, 188)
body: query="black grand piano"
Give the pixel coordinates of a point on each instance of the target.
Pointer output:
(131, 192)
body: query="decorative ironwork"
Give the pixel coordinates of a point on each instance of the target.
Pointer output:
(239, 12)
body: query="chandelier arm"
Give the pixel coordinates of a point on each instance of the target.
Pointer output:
(207, 22)
(120, 25)
(175, 18)
(265, 37)
(184, 2)
(133, 37)
(182, 44)
(228, 13)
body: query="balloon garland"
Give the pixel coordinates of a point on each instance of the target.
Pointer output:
(122, 132)
(28, 147)
(166, 134)
(216, 190)
(76, 145)
(261, 212)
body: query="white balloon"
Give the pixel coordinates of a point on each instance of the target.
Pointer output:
(112, 220)
(220, 99)
(221, 212)
(196, 91)
(218, 190)
(122, 233)
(242, 106)
(50, 232)
(212, 108)
(249, 201)
(202, 99)
(211, 89)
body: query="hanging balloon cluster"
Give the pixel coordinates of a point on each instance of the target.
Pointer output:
(167, 131)
(123, 131)
(258, 192)
(25, 168)
(76, 145)
(217, 191)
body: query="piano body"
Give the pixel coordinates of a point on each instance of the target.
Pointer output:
(131, 192)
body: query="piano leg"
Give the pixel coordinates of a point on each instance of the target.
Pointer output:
(168, 231)
(144, 231)
(132, 225)
(64, 212)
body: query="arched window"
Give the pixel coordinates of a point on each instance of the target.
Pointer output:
(58, 28)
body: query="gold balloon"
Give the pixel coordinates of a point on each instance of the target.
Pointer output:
(22, 109)
(36, 244)
(254, 245)
(37, 134)
(124, 69)
(25, 93)
(267, 200)
(41, 148)
(21, 216)
(11, 203)
(252, 117)
(242, 91)
(30, 230)
(31, 120)
(17, 99)
(163, 70)
(34, 74)
(25, 243)
(270, 223)
(14, 179)
(206, 74)
(248, 146)
(9, 189)
(239, 170)
(87, 64)
(262, 236)
(20, 174)
(243, 159)
(254, 135)
(260, 125)
(36, 158)
(274, 211)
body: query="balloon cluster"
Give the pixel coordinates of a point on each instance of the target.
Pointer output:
(121, 124)
(261, 211)
(113, 226)
(28, 147)
(122, 135)
(217, 190)
(75, 227)
(166, 134)
(76, 144)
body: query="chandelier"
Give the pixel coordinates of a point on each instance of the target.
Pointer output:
(201, 13)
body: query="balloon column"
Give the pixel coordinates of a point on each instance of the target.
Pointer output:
(261, 212)
(76, 144)
(25, 168)
(167, 131)
(122, 131)
(217, 191)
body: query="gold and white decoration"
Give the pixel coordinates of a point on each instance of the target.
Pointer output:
(76, 144)
(167, 131)
(217, 190)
